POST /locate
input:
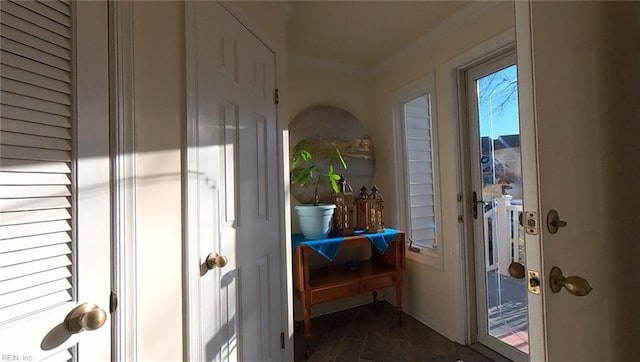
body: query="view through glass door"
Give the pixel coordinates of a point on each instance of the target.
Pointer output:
(492, 93)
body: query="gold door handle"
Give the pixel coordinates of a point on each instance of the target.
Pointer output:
(574, 284)
(85, 317)
(214, 260)
(516, 270)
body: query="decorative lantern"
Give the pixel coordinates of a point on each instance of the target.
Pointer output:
(375, 205)
(343, 214)
(362, 217)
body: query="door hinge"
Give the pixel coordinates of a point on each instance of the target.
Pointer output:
(113, 302)
(282, 340)
(276, 96)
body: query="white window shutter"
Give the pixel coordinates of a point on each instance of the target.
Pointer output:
(36, 169)
(419, 166)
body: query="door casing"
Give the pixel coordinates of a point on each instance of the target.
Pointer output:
(494, 63)
(499, 44)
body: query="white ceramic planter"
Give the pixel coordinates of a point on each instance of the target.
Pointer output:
(315, 221)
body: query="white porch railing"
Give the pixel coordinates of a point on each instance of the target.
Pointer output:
(503, 234)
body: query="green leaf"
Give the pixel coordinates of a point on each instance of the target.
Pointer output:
(300, 176)
(339, 156)
(334, 185)
(304, 169)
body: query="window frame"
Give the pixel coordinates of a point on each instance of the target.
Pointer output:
(398, 98)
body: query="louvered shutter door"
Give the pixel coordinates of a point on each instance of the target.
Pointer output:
(419, 151)
(36, 171)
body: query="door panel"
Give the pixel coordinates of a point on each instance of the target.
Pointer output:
(569, 153)
(235, 204)
(582, 74)
(55, 252)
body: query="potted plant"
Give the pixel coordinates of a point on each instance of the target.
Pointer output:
(313, 168)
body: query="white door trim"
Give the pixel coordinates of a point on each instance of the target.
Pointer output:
(123, 162)
(465, 292)
(191, 261)
(529, 154)
(494, 63)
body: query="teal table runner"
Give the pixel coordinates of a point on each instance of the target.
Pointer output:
(329, 247)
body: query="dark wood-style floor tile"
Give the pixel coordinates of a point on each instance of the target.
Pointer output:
(469, 355)
(348, 350)
(375, 346)
(371, 334)
(397, 351)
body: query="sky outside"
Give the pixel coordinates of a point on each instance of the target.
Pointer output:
(498, 103)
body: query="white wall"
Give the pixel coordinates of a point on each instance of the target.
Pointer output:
(430, 293)
(314, 82)
(159, 119)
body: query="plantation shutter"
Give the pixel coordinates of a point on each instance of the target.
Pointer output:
(36, 170)
(419, 153)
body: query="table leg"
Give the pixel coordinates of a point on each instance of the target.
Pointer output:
(307, 322)
(399, 304)
(307, 331)
(307, 349)
(375, 298)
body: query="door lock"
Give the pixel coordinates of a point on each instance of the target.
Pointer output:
(533, 282)
(531, 222)
(553, 222)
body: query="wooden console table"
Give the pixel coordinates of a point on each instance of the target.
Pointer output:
(316, 286)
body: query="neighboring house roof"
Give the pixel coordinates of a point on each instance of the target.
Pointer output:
(502, 142)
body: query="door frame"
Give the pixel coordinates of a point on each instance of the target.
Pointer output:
(465, 272)
(470, 130)
(538, 350)
(520, 38)
(191, 254)
(470, 253)
(123, 172)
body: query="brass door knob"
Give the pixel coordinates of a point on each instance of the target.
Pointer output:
(85, 317)
(574, 284)
(516, 270)
(214, 260)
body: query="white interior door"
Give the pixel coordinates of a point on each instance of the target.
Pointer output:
(579, 77)
(233, 198)
(54, 188)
